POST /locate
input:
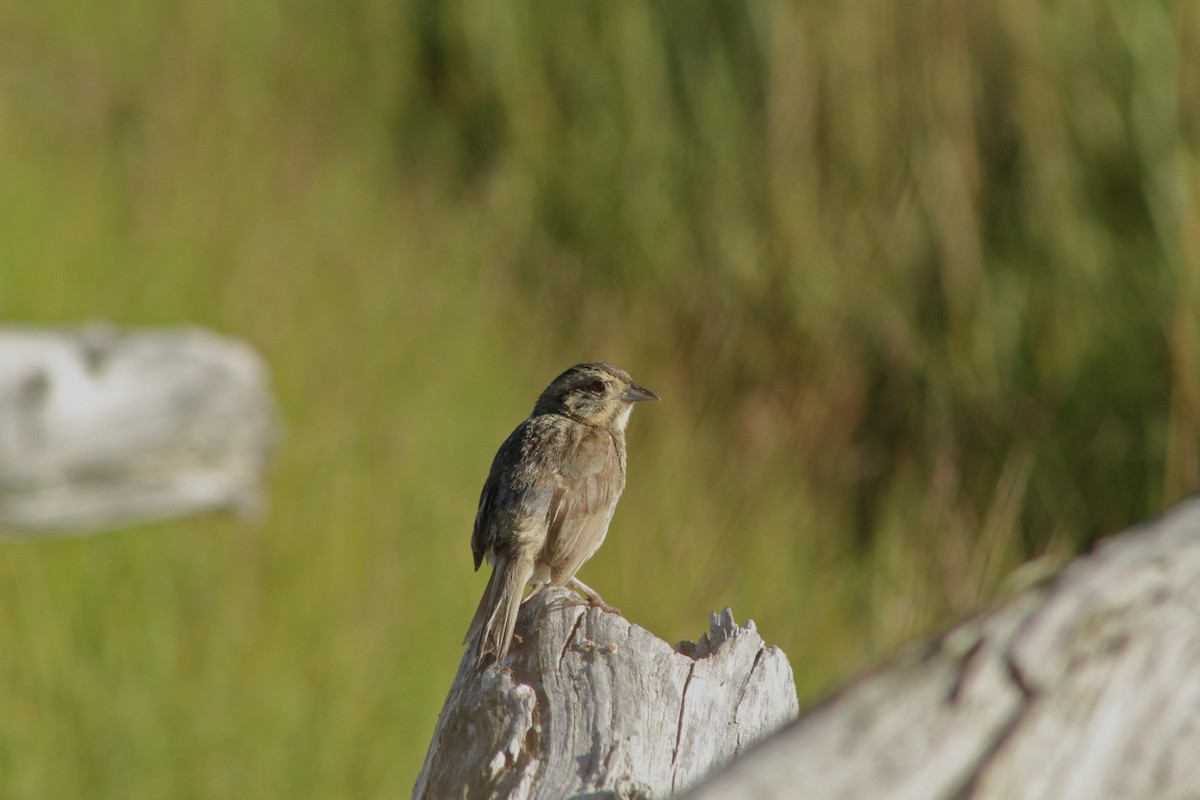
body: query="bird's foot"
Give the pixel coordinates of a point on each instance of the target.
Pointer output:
(593, 598)
(596, 601)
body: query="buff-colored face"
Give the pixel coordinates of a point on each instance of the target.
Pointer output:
(597, 394)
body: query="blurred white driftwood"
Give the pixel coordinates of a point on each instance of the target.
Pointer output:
(101, 427)
(1085, 687)
(589, 705)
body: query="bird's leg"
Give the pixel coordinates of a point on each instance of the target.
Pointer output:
(593, 597)
(533, 589)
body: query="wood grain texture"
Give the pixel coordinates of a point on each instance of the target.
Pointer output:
(1085, 687)
(589, 705)
(101, 427)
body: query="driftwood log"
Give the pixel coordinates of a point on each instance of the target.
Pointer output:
(101, 427)
(588, 705)
(1085, 687)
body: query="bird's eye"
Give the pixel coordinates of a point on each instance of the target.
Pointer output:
(597, 387)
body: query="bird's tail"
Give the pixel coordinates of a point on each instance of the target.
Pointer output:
(494, 620)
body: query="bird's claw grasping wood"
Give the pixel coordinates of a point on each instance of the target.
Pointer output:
(594, 600)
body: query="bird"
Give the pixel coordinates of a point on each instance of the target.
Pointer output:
(550, 495)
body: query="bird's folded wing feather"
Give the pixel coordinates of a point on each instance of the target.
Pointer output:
(516, 495)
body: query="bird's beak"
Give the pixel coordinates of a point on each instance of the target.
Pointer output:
(636, 394)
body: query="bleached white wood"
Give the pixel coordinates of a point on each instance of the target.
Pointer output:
(101, 427)
(1084, 687)
(589, 705)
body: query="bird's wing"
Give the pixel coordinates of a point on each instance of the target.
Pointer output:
(493, 494)
(479, 536)
(513, 503)
(586, 488)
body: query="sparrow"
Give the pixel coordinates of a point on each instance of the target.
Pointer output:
(550, 495)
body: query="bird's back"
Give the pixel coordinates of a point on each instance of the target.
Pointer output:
(550, 495)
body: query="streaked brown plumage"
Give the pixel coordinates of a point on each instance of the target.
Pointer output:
(550, 495)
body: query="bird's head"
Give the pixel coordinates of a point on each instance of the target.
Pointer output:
(596, 394)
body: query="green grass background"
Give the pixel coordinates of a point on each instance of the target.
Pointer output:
(919, 283)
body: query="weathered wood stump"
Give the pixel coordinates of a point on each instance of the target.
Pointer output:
(101, 427)
(589, 705)
(1085, 687)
